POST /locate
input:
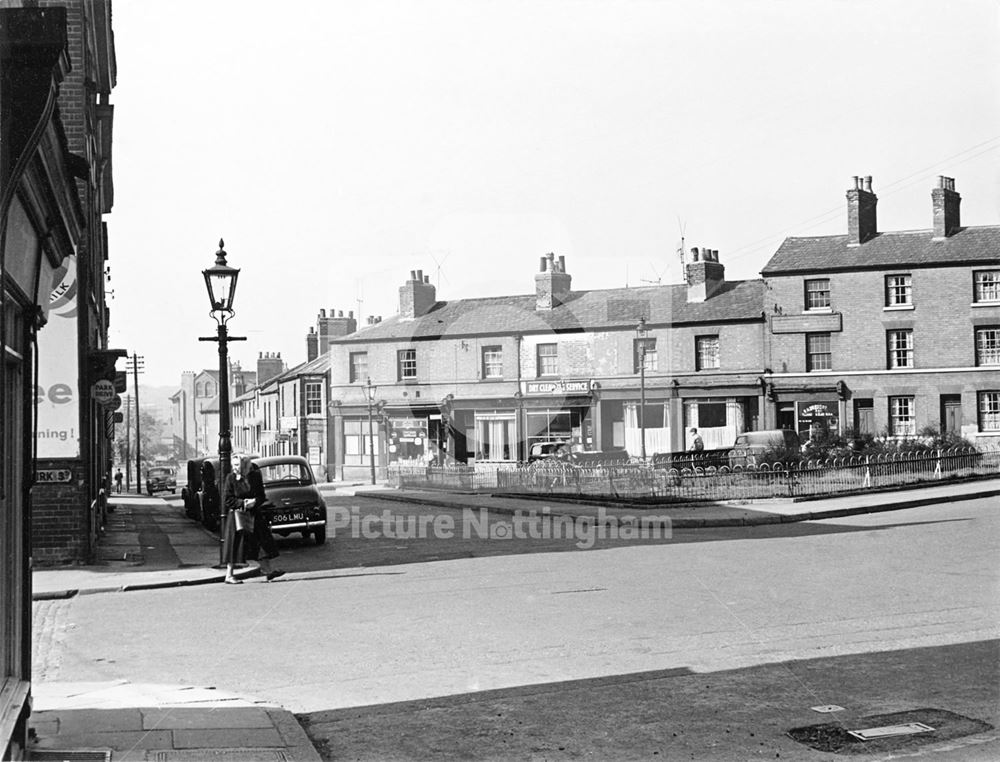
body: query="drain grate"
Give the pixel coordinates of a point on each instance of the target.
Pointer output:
(70, 755)
(889, 732)
(221, 755)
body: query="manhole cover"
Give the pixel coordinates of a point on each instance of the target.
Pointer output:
(907, 729)
(884, 732)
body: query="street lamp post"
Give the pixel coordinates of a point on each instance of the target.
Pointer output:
(220, 280)
(370, 396)
(640, 331)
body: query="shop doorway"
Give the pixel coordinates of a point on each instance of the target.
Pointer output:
(786, 415)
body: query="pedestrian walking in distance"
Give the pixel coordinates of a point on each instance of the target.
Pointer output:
(244, 491)
(696, 444)
(118, 481)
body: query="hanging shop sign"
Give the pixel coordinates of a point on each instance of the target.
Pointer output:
(103, 391)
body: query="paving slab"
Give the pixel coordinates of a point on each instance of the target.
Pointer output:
(227, 738)
(184, 718)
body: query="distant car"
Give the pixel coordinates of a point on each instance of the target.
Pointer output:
(294, 503)
(753, 447)
(160, 479)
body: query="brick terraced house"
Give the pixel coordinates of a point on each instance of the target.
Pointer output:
(887, 332)
(481, 380)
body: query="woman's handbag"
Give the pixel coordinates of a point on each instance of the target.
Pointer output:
(244, 520)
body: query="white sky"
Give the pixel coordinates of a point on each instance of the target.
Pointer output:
(336, 146)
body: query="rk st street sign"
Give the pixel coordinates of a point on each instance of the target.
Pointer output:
(53, 476)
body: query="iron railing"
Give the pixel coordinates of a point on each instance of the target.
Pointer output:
(639, 481)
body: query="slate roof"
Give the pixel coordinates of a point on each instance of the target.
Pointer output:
(909, 248)
(584, 310)
(311, 368)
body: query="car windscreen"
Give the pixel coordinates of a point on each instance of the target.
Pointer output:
(285, 473)
(160, 472)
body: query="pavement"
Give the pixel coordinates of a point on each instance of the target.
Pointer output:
(145, 548)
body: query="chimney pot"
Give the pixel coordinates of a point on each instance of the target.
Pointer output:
(857, 182)
(562, 263)
(694, 253)
(868, 183)
(322, 312)
(543, 264)
(350, 313)
(413, 274)
(427, 279)
(340, 313)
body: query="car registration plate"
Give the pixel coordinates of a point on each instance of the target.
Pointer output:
(288, 518)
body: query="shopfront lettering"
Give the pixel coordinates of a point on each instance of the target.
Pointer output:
(557, 387)
(57, 394)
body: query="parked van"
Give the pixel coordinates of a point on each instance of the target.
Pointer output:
(751, 447)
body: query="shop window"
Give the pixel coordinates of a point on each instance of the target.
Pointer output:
(495, 438)
(817, 294)
(706, 352)
(900, 347)
(406, 364)
(314, 398)
(492, 362)
(358, 367)
(356, 443)
(988, 346)
(989, 411)
(547, 359)
(986, 286)
(818, 351)
(898, 290)
(644, 354)
(902, 416)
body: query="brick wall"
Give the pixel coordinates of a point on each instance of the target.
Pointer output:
(942, 319)
(60, 518)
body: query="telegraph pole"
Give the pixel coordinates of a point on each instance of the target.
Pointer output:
(138, 361)
(128, 443)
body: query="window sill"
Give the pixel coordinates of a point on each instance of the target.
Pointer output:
(985, 304)
(818, 310)
(898, 308)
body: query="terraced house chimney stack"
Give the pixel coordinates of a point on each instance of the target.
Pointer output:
(417, 296)
(947, 203)
(332, 327)
(705, 275)
(552, 283)
(269, 365)
(311, 345)
(861, 203)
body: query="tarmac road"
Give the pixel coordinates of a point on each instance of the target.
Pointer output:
(608, 647)
(374, 532)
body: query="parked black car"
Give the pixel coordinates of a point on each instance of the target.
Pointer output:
(294, 503)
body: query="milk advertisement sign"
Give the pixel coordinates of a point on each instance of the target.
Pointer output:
(58, 389)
